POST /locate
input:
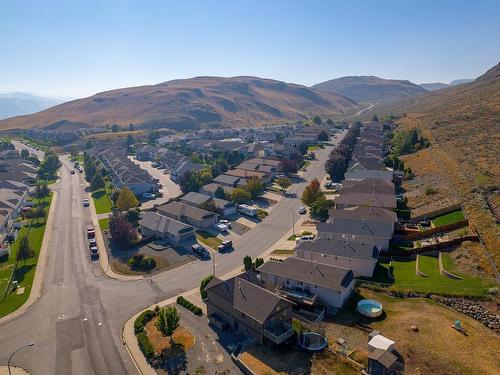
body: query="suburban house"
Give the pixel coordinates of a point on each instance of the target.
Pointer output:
(185, 167)
(367, 229)
(359, 257)
(243, 306)
(368, 185)
(224, 207)
(212, 187)
(304, 281)
(362, 174)
(146, 152)
(188, 214)
(155, 225)
(229, 181)
(264, 177)
(368, 199)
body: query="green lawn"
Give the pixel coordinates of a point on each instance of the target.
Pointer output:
(407, 280)
(101, 201)
(25, 271)
(104, 224)
(208, 239)
(449, 218)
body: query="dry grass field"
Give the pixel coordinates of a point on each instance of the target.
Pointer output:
(182, 340)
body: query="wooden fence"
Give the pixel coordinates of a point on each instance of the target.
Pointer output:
(438, 212)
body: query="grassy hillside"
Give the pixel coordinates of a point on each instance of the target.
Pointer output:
(189, 103)
(463, 125)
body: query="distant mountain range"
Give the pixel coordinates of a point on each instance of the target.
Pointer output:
(439, 85)
(370, 89)
(21, 103)
(188, 103)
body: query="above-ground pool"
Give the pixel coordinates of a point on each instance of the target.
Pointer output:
(312, 341)
(369, 308)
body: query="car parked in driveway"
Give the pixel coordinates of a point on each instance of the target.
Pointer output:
(148, 196)
(200, 251)
(221, 227)
(227, 223)
(225, 245)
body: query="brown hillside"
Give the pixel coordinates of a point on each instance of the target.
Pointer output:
(371, 89)
(463, 124)
(188, 103)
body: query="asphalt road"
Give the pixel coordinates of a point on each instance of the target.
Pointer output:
(76, 325)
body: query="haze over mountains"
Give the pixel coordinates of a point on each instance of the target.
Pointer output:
(370, 89)
(21, 103)
(187, 103)
(439, 85)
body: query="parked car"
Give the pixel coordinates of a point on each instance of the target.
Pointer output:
(221, 227)
(80, 170)
(425, 223)
(302, 210)
(200, 251)
(73, 171)
(92, 242)
(86, 203)
(149, 196)
(226, 222)
(94, 253)
(225, 245)
(90, 232)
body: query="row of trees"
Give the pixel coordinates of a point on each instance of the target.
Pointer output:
(406, 142)
(250, 265)
(94, 172)
(338, 161)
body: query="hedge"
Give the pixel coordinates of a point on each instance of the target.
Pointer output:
(142, 320)
(145, 345)
(190, 306)
(203, 284)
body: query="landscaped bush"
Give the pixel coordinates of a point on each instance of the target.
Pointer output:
(142, 320)
(145, 345)
(203, 284)
(189, 305)
(140, 262)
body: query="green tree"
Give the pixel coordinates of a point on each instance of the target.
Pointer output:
(25, 153)
(97, 182)
(303, 148)
(375, 118)
(320, 207)
(24, 252)
(312, 192)
(258, 262)
(247, 262)
(284, 183)
(89, 144)
(49, 166)
(240, 195)
(126, 200)
(203, 284)
(219, 193)
(209, 205)
(254, 187)
(41, 191)
(115, 128)
(322, 136)
(168, 321)
(317, 120)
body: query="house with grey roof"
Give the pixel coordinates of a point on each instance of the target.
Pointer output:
(183, 168)
(243, 305)
(155, 225)
(230, 181)
(307, 282)
(191, 215)
(365, 230)
(212, 187)
(359, 257)
(224, 207)
(362, 174)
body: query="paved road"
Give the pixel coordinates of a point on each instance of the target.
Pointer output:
(19, 145)
(76, 325)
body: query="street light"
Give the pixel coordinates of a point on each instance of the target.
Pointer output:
(15, 351)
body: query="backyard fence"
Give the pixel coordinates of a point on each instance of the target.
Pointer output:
(429, 232)
(438, 212)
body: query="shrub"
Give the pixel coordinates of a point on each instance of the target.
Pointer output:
(142, 320)
(145, 345)
(203, 284)
(141, 263)
(189, 305)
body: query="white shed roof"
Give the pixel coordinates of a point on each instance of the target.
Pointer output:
(381, 342)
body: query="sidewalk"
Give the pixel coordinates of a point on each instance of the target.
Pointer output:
(14, 370)
(37, 286)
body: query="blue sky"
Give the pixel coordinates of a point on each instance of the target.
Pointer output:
(77, 48)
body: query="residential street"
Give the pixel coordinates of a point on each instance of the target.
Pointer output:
(77, 323)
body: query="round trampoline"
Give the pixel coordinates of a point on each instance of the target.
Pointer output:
(369, 308)
(312, 341)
